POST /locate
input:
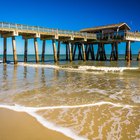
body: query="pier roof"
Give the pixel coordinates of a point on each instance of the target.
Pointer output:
(122, 26)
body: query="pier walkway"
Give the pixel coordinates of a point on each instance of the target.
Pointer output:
(83, 40)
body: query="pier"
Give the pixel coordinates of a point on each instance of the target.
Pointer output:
(83, 41)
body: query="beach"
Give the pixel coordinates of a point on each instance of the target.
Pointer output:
(80, 101)
(21, 126)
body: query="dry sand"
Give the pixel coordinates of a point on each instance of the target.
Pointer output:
(21, 126)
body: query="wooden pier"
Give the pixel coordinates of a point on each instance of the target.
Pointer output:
(83, 40)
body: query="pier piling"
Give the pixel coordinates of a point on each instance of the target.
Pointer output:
(4, 50)
(36, 50)
(25, 49)
(14, 50)
(43, 51)
(54, 50)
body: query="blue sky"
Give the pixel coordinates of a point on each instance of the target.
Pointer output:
(69, 14)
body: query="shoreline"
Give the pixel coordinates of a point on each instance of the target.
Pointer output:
(22, 126)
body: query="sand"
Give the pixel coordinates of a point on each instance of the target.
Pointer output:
(21, 126)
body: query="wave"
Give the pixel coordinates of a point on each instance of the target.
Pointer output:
(32, 111)
(81, 68)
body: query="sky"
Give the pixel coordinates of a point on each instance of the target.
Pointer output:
(69, 15)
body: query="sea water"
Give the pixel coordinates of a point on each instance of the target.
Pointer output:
(83, 100)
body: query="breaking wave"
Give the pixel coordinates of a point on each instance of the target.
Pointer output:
(81, 68)
(32, 111)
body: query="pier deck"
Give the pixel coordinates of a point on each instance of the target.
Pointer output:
(83, 40)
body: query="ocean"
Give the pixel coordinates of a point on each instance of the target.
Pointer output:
(91, 100)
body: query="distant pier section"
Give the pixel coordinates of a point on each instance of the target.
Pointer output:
(83, 40)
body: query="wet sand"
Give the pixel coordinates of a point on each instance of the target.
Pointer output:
(21, 126)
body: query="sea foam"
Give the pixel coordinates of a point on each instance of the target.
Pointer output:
(66, 131)
(81, 68)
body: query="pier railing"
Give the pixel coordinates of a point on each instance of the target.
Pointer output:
(121, 35)
(45, 30)
(112, 35)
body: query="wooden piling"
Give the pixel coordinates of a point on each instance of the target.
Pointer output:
(116, 51)
(54, 50)
(43, 51)
(104, 52)
(58, 50)
(101, 55)
(70, 51)
(92, 52)
(98, 51)
(4, 50)
(36, 50)
(25, 49)
(138, 58)
(67, 57)
(83, 51)
(14, 50)
(128, 51)
(87, 51)
(112, 56)
(80, 53)
(74, 51)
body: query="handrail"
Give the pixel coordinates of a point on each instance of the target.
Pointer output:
(42, 29)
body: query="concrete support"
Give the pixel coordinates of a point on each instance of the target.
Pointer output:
(70, 51)
(36, 50)
(4, 50)
(83, 50)
(58, 50)
(128, 54)
(43, 51)
(54, 50)
(14, 50)
(25, 49)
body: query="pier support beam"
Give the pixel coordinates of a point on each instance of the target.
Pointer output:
(67, 52)
(70, 51)
(138, 58)
(87, 51)
(25, 49)
(113, 53)
(36, 50)
(116, 51)
(84, 53)
(101, 55)
(54, 50)
(74, 51)
(14, 50)
(58, 50)
(128, 53)
(43, 51)
(92, 52)
(4, 50)
(80, 57)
